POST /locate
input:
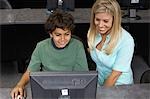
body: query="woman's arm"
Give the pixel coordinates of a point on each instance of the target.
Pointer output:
(112, 78)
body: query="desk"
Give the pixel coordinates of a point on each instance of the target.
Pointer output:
(39, 16)
(136, 91)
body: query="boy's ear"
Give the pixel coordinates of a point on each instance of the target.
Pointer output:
(51, 35)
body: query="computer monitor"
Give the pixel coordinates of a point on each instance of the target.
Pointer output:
(84, 3)
(51, 5)
(131, 6)
(63, 85)
(140, 4)
(68, 5)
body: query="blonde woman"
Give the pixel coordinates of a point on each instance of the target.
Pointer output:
(111, 47)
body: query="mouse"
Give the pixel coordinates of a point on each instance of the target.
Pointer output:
(19, 97)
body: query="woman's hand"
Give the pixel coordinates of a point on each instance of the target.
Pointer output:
(112, 78)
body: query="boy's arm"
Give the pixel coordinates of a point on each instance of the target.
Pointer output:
(19, 88)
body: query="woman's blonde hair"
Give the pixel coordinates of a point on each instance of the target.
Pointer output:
(112, 7)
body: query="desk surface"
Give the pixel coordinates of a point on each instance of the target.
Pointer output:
(39, 16)
(136, 91)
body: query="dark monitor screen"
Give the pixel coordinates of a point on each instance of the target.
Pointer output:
(84, 3)
(131, 6)
(67, 5)
(63, 85)
(139, 4)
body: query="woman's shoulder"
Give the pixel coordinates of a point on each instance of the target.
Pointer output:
(126, 35)
(125, 39)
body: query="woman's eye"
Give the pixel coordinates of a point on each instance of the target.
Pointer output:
(97, 19)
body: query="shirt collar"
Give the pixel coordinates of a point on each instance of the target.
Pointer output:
(53, 44)
(107, 37)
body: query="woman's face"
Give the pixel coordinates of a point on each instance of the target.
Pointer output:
(61, 37)
(103, 22)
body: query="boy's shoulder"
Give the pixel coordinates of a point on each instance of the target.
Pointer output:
(76, 40)
(44, 42)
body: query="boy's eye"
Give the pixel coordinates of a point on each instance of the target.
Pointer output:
(58, 34)
(67, 34)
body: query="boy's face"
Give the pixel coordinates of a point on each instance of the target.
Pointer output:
(61, 37)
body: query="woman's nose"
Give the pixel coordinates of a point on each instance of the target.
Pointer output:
(100, 24)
